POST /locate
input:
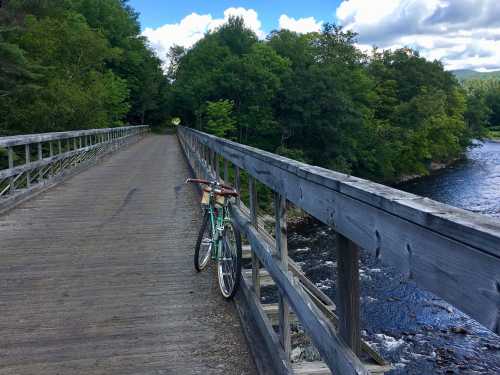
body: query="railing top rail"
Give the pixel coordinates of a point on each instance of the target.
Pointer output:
(22, 139)
(449, 251)
(479, 231)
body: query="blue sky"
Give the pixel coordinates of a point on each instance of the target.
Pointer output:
(156, 13)
(462, 34)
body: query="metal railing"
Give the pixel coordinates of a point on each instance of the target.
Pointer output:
(448, 251)
(32, 161)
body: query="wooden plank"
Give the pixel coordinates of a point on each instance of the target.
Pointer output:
(447, 251)
(348, 292)
(308, 284)
(252, 191)
(282, 252)
(10, 156)
(27, 157)
(18, 140)
(97, 278)
(237, 184)
(335, 352)
(323, 302)
(320, 368)
(263, 341)
(226, 171)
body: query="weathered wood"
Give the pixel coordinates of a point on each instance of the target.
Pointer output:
(237, 184)
(308, 284)
(10, 155)
(282, 252)
(335, 352)
(27, 157)
(226, 171)
(252, 192)
(450, 252)
(263, 239)
(267, 353)
(97, 279)
(217, 167)
(348, 292)
(17, 140)
(47, 168)
(319, 368)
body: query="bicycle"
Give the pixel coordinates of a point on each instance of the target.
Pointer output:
(219, 240)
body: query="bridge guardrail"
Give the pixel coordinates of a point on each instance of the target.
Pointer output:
(451, 252)
(54, 156)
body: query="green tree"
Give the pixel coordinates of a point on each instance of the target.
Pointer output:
(220, 120)
(73, 64)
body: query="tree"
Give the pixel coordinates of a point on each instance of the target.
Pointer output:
(220, 120)
(73, 64)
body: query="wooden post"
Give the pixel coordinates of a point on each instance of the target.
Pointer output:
(237, 184)
(11, 165)
(348, 292)
(59, 145)
(212, 160)
(51, 153)
(253, 217)
(282, 249)
(226, 171)
(28, 161)
(40, 157)
(217, 167)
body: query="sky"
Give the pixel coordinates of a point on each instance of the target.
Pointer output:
(463, 34)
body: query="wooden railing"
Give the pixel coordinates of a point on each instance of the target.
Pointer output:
(36, 160)
(448, 251)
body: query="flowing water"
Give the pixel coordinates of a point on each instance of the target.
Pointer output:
(472, 184)
(416, 331)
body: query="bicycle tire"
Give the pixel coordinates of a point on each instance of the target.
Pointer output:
(201, 265)
(229, 269)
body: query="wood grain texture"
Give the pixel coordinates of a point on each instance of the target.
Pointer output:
(339, 357)
(450, 252)
(348, 293)
(96, 276)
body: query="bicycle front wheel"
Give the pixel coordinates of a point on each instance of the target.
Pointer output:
(204, 244)
(229, 263)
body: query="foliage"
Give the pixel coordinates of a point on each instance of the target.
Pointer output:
(75, 64)
(465, 75)
(317, 98)
(484, 102)
(220, 120)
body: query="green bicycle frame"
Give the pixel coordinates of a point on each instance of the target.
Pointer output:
(217, 221)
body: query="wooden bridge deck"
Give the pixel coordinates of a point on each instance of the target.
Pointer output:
(96, 276)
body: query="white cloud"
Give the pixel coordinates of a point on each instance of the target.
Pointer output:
(460, 33)
(194, 26)
(301, 25)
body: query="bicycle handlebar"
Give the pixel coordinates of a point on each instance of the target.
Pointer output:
(206, 182)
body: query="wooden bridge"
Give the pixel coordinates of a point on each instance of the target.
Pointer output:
(96, 274)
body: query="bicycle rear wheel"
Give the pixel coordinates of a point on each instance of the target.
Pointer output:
(229, 264)
(204, 244)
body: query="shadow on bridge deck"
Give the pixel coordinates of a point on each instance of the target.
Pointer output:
(96, 276)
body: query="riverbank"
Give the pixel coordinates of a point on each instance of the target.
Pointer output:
(432, 168)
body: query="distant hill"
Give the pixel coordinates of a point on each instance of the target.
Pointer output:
(467, 74)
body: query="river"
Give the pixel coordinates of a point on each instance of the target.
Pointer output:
(416, 331)
(472, 184)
